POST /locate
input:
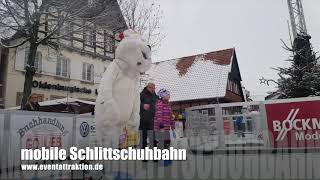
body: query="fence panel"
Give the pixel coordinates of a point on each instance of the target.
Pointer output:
(2, 150)
(242, 125)
(220, 127)
(201, 128)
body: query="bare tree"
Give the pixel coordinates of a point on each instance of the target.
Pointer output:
(144, 16)
(35, 22)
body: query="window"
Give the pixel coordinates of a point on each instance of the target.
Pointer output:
(37, 61)
(63, 67)
(66, 30)
(87, 72)
(228, 85)
(233, 87)
(109, 43)
(90, 38)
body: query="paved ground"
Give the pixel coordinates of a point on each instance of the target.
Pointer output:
(239, 166)
(218, 166)
(296, 165)
(222, 166)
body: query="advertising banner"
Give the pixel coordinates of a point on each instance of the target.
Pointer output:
(34, 130)
(85, 130)
(294, 124)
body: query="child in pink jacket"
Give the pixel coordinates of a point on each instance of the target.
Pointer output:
(163, 119)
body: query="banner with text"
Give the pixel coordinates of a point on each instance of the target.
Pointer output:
(37, 130)
(294, 124)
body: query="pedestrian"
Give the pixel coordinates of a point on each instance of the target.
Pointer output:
(163, 121)
(148, 100)
(240, 126)
(32, 104)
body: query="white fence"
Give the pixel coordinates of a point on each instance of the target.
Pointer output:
(288, 123)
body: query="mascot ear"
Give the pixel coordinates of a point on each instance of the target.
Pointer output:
(121, 36)
(127, 33)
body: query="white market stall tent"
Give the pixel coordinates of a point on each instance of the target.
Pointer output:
(65, 105)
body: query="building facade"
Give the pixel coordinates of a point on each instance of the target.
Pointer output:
(70, 66)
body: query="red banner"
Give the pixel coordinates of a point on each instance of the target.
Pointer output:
(295, 124)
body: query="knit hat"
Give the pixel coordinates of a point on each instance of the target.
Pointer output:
(163, 92)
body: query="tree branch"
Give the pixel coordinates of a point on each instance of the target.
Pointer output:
(17, 45)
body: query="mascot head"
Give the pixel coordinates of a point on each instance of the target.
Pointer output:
(133, 54)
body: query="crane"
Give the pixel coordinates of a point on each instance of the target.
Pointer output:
(298, 22)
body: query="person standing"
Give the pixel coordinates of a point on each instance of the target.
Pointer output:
(163, 121)
(240, 126)
(148, 100)
(32, 104)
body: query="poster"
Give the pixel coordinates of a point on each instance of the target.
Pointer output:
(199, 132)
(294, 124)
(32, 130)
(179, 129)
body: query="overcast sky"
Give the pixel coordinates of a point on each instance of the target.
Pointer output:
(253, 27)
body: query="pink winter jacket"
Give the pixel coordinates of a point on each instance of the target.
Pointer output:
(163, 116)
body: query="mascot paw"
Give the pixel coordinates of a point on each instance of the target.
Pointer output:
(110, 115)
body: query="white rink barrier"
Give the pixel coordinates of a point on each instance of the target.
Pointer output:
(208, 128)
(265, 125)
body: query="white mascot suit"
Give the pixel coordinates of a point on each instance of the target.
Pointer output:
(118, 102)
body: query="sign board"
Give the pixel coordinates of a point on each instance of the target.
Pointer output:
(294, 124)
(36, 130)
(85, 130)
(179, 128)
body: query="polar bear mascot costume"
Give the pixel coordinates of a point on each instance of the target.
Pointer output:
(118, 102)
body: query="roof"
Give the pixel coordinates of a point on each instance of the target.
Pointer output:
(105, 14)
(201, 76)
(111, 17)
(273, 95)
